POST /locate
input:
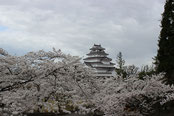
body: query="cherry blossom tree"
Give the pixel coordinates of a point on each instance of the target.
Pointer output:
(59, 83)
(42, 81)
(132, 96)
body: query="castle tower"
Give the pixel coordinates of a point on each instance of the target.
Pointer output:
(98, 60)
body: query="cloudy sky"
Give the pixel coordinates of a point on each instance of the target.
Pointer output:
(129, 26)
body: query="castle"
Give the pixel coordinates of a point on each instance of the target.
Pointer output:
(98, 60)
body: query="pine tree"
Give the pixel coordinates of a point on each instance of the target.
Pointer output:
(165, 56)
(120, 64)
(120, 61)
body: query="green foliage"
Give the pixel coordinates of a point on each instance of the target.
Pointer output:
(120, 64)
(121, 72)
(120, 61)
(146, 71)
(165, 56)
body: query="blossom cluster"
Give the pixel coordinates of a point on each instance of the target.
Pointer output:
(59, 83)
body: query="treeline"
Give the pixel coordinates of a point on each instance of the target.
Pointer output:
(126, 71)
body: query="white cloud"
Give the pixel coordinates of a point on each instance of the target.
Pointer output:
(131, 27)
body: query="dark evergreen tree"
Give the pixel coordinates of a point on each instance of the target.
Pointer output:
(165, 56)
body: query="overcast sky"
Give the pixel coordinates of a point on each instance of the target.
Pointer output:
(129, 26)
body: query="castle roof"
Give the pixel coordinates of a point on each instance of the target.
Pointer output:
(99, 58)
(97, 47)
(97, 53)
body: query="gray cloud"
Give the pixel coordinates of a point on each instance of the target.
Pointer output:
(129, 26)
